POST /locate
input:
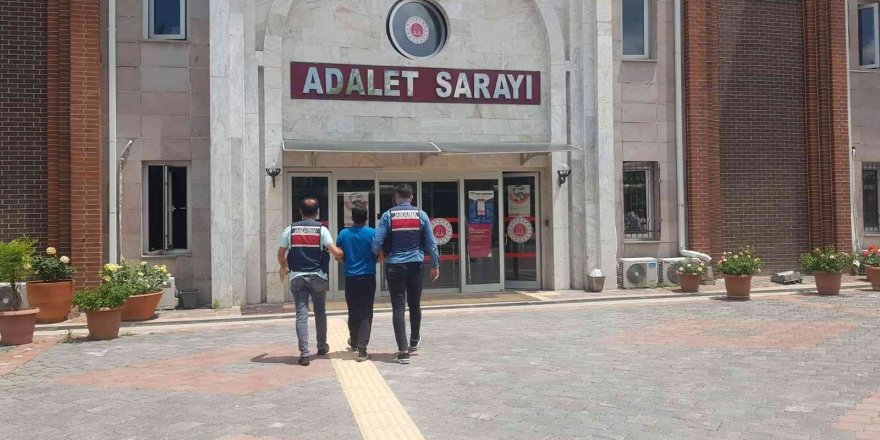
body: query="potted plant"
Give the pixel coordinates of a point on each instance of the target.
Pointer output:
(827, 265)
(689, 273)
(52, 288)
(103, 308)
(738, 269)
(871, 260)
(16, 324)
(145, 282)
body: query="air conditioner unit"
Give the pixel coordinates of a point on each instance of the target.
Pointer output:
(669, 269)
(635, 273)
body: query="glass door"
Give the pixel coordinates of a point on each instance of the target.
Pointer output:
(522, 263)
(309, 185)
(440, 202)
(351, 193)
(482, 258)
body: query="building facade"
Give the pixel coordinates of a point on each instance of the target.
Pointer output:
(545, 138)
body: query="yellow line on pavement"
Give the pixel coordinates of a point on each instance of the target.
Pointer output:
(378, 413)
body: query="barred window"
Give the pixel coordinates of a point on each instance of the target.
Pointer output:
(870, 213)
(641, 201)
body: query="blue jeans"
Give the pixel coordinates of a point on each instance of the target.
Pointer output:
(303, 288)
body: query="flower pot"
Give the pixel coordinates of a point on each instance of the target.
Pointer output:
(827, 283)
(873, 276)
(738, 286)
(689, 283)
(52, 298)
(17, 328)
(104, 323)
(141, 307)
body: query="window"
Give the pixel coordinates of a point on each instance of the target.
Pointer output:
(165, 19)
(640, 201)
(869, 34)
(166, 200)
(870, 212)
(635, 24)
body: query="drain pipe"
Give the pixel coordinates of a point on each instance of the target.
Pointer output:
(112, 167)
(679, 140)
(853, 212)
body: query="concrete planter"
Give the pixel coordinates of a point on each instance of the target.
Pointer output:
(827, 283)
(104, 323)
(689, 283)
(873, 276)
(52, 298)
(17, 328)
(141, 307)
(738, 286)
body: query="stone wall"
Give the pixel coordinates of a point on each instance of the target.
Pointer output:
(163, 105)
(502, 34)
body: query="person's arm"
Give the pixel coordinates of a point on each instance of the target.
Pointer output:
(430, 244)
(327, 242)
(381, 233)
(283, 245)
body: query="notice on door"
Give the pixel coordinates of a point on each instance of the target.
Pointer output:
(481, 215)
(519, 200)
(352, 200)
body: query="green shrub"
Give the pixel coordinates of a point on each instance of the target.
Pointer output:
(692, 266)
(15, 265)
(827, 260)
(743, 262)
(50, 267)
(139, 278)
(108, 296)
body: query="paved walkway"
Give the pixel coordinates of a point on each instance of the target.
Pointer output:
(778, 367)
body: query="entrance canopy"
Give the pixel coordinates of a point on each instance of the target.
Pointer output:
(423, 147)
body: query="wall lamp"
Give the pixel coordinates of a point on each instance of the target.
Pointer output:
(563, 172)
(273, 172)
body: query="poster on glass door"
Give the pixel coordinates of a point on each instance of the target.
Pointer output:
(519, 200)
(352, 200)
(480, 216)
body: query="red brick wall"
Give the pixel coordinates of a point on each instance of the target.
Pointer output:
(23, 119)
(86, 189)
(764, 196)
(50, 127)
(827, 117)
(766, 126)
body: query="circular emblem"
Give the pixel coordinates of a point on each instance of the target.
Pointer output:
(520, 230)
(416, 30)
(442, 230)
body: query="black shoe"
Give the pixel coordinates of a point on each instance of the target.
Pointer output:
(351, 347)
(304, 361)
(414, 344)
(324, 350)
(362, 355)
(402, 358)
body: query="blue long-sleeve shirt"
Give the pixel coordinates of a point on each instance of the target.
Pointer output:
(429, 243)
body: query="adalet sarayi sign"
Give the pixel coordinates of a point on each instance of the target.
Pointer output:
(413, 84)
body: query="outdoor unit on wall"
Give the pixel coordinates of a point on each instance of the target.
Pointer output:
(635, 273)
(168, 300)
(669, 270)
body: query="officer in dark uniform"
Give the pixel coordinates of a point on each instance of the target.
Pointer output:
(405, 234)
(302, 255)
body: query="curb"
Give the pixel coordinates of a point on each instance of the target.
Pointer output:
(276, 316)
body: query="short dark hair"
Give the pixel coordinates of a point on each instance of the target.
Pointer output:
(309, 207)
(359, 215)
(404, 191)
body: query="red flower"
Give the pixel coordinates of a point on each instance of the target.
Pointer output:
(865, 253)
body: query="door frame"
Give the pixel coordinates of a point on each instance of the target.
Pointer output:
(530, 285)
